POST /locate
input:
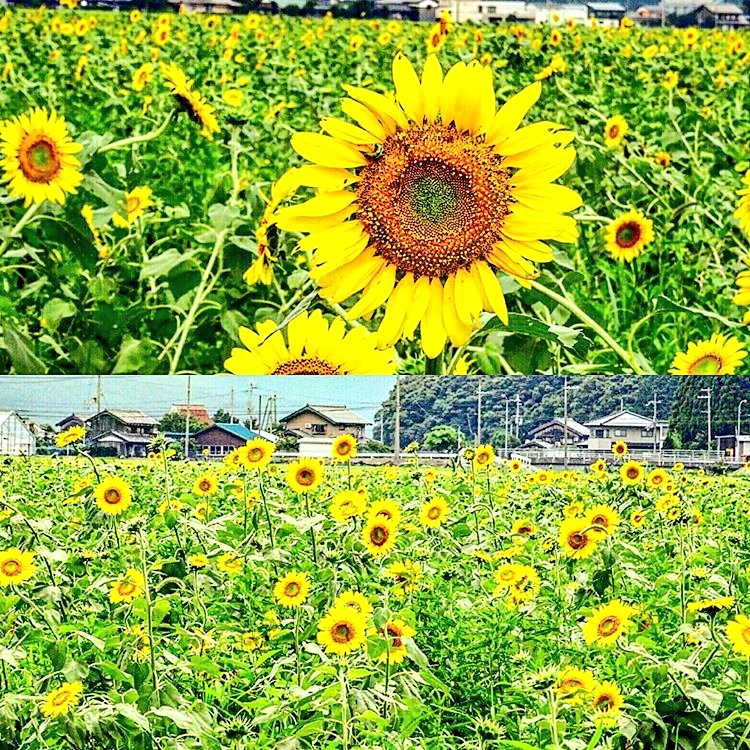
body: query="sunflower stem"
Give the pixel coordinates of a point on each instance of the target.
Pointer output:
(572, 307)
(133, 139)
(344, 707)
(312, 530)
(296, 648)
(22, 222)
(434, 366)
(149, 618)
(265, 508)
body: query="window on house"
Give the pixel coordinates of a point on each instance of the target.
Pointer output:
(620, 433)
(492, 8)
(647, 432)
(319, 429)
(599, 433)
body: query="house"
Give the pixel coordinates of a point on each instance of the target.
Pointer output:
(606, 13)
(534, 445)
(198, 413)
(221, 438)
(460, 10)
(207, 6)
(422, 10)
(121, 432)
(73, 420)
(561, 14)
(324, 421)
(16, 439)
(648, 15)
(555, 433)
(719, 16)
(634, 429)
(510, 11)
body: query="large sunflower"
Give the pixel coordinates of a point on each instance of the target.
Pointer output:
(197, 108)
(344, 448)
(37, 157)
(305, 474)
(62, 699)
(393, 634)
(578, 538)
(738, 632)
(434, 512)
(628, 234)
(256, 453)
(311, 348)
(445, 190)
(113, 496)
(608, 623)
(16, 566)
(632, 472)
(342, 630)
(719, 355)
(292, 589)
(379, 536)
(127, 588)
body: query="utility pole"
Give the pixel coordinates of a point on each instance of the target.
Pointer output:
(705, 395)
(397, 426)
(565, 419)
(507, 426)
(187, 421)
(518, 415)
(479, 412)
(98, 393)
(250, 390)
(739, 429)
(655, 403)
(231, 406)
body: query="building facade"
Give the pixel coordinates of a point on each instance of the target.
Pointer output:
(325, 421)
(16, 439)
(634, 429)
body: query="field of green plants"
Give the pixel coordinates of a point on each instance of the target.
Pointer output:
(139, 230)
(256, 604)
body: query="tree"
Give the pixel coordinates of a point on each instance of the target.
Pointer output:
(222, 415)
(174, 422)
(441, 439)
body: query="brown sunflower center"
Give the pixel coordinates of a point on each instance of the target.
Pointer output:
(434, 201)
(600, 521)
(112, 496)
(205, 485)
(394, 633)
(306, 366)
(11, 568)
(39, 158)
(305, 477)
(576, 540)
(379, 535)
(632, 472)
(256, 454)
(608, 626)
(292, 589)
(61, 697)
(433, 513)
(343, 449)
(342, 632)
(614, 131)
(132, 204)
(571, 685)
(126, 588)
(628, 234)
(710, 364)
(603, 702)
(746, 635)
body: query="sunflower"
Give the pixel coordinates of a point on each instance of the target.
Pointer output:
(604, 518)
(606, 702)
(128, 588)
(577, 538)
(313, 348)
(305, 474)
(738, 632)
(205, 485)
(523, 527)
(608, 623)
(197, 561)
(197, 108)
(742, 214)
(572, 682)
(620, 449)
(344, 448)
(62, 699)
(136, 202)
(638, 518)
(434, 512)
(712, 606)
(16, 566)
(379, 536)
(718, 355)
(525, 587)
(256, 453)
(384, 509)
(446, 189)
(742, 296)
(251, 641)
(393, 633)
(631, 472)
(142, 76)
(292, 589)
(37, 157)
(342, 631)
(514, 466)
(406, 575)
(70, 436)
(657, 478)
(113, 495)
(346, 505)
(506, 575)
(615, 129)
(355, 600)
(600, 465)
(628, 234)
(484, 457)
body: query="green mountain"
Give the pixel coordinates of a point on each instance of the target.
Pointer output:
(428, 402)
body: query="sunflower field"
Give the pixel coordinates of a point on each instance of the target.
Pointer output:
(252, 603)
(531, 199)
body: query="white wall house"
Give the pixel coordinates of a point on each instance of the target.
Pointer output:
(315, 447)
(16, 439)
(634, 429)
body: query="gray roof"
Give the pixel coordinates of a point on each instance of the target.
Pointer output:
(333, 414)
(606, 6)
(722, 9)
(624, 418)
(128, 416)
(573, 426)
(124, 437)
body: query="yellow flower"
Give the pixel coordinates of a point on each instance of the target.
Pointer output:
(719, 355)
(670, 79)
(313, 348)
(484, 456)
(16, 566)
(387, 509)
(738, 632)
(305, 474)
(628, 235)
(197, 108)
(127, 588)
(434, 512)
(256, 453)
(447, 189)
(62, 699)
(394, 633)
(577, 538)
(232, 97)
(631, 472)
(615, 129)
(604, 518)
(573, 683)
(292, 589)
(113, 495)
(38, 161)
(379, 535)
(136, 202)
(197, 561)
(347, 505)
(406, 575)
(205, 485)
(344, 448)
(342, 631)
(70, 436)
(620, 449)
(608, 623)
(230, 563)
(356, 600)
(606, 702)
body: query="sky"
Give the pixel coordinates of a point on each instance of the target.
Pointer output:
(46, 399)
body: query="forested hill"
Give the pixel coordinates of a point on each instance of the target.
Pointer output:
(428, 402)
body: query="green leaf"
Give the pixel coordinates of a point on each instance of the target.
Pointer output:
(22, 356)
(162, 264)
(55, 310)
